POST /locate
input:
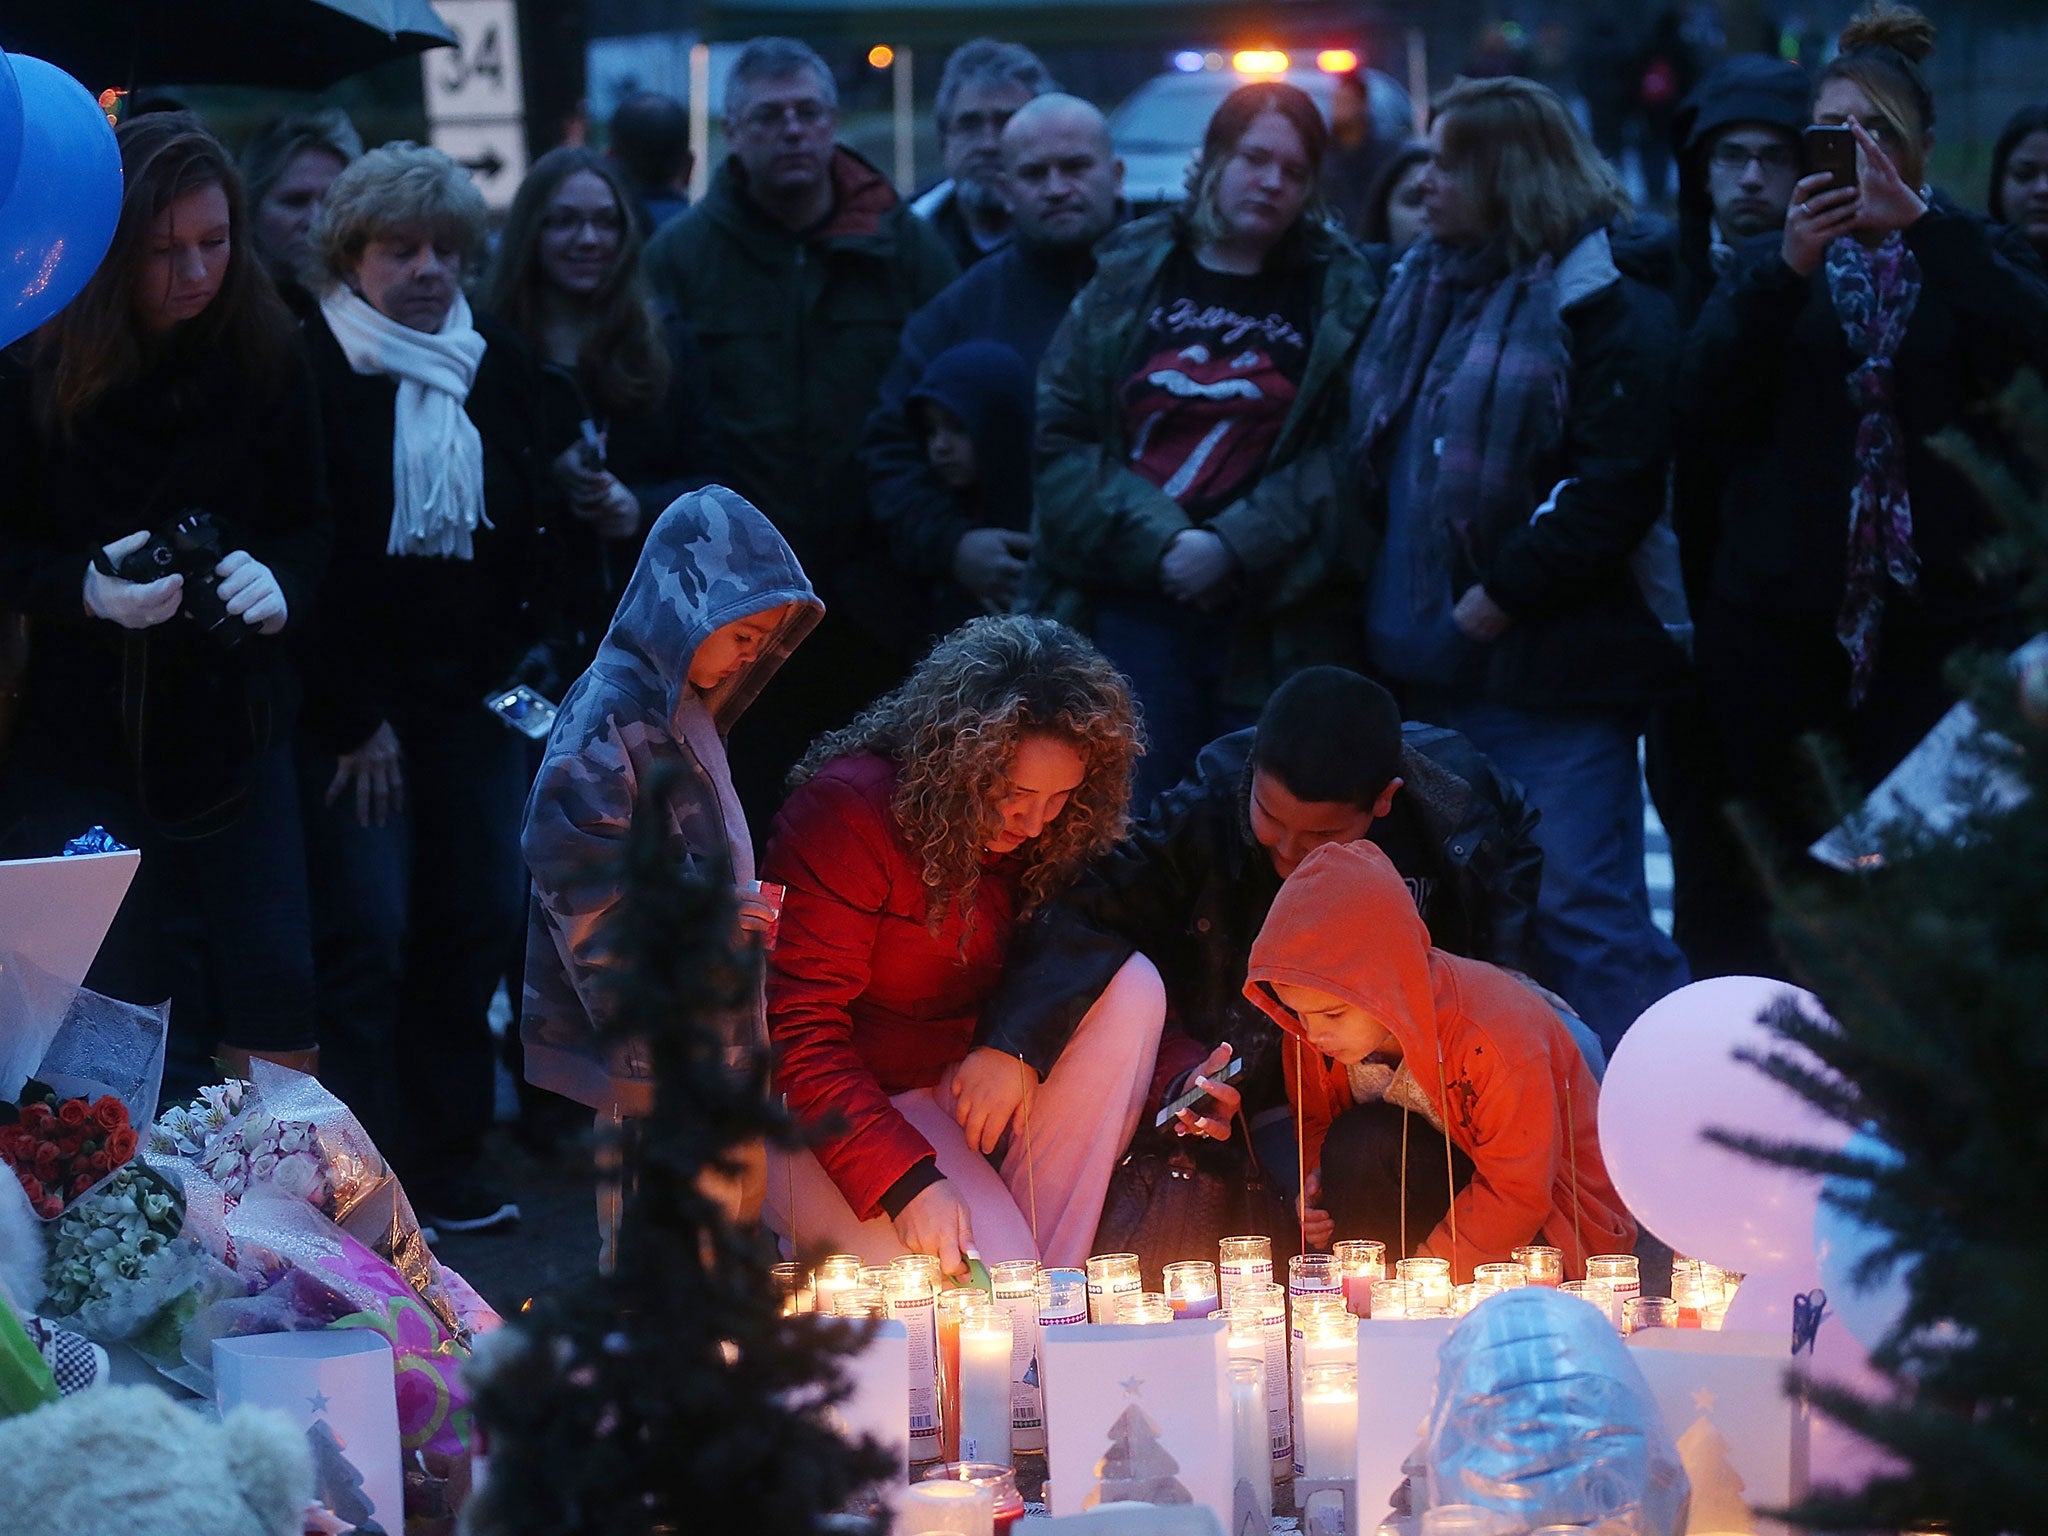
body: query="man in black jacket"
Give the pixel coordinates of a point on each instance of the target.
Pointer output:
(1063, 184)
(1330, 760)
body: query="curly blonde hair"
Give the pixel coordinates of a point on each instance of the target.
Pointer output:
(953, 727)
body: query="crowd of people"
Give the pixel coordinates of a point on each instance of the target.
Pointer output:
(1229, 633)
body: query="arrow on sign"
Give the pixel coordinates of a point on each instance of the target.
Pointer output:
(486, 165)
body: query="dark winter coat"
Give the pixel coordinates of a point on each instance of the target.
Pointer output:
(797, 330)
(1190, 887)
(710, 560)
(673, 446)
(1018, 296)
(1573, 575)
(940, 208)
(194, 433)
(1764, 390)
(399, 632)
(864, 999)
(1299, 537)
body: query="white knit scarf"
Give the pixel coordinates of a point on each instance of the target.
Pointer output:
(437, 458)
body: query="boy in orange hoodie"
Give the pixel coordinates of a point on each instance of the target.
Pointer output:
(1345, 965)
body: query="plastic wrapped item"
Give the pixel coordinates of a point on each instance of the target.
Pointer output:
(82, 1044)
(1542, 1417)
(94, 840)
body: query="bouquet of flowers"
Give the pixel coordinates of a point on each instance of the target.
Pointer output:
(62, 1148)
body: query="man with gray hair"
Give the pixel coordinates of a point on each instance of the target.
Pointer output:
(983, 85)
(797, 271)
(1063, 186)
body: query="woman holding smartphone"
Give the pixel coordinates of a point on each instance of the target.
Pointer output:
(1816, 375)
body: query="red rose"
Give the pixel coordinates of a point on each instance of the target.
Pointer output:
(99, 1163)
(81, 1184)
(120, 1145)
(109, 1113)
(73, 1112)
(46, 1160)
(50, 1207)
(71, 1145)
(31, 1186)
(37, 1117)
(15, 1143)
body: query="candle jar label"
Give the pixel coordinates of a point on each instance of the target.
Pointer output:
(1019, 1297)
(918, 1315)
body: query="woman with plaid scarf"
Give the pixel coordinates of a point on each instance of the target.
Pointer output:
(1509, 422)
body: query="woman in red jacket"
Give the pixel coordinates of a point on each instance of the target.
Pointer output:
(915, 841)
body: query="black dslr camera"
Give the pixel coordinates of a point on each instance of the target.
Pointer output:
(191, 547)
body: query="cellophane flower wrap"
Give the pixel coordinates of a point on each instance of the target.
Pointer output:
(120, 1271)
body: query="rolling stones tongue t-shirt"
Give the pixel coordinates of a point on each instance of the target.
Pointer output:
(1221, 360)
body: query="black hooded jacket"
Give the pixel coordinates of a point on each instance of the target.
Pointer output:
(1190, 889)
(987, 388)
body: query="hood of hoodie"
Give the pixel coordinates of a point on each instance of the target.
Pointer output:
(1748, 88)
(711, 559)
(988, 388)
(1345, 924)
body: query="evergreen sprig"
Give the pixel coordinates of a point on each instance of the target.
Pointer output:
(1934, 970)
(672, 1395)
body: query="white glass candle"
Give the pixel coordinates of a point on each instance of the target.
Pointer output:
(946, 1509)
(1313, 1274)
(1062, 1301)
(951, 1305)
(1623, 1274)
(1329, 1406)
(1305, 1312)
(860, 1301)
(1395, 1298)
(1143, 1307)
(1467, 1296)
(911, 1298)
(986, 1406)
(1506, 1277)
(793, 1285)
(1433, 1275)
(1596, 1293)
(1191, 1289)
(1015, 1285)
(836, 1272)
(1270, 1301)
(1545, 1264)
(1242, 1260)
(1358, 1265)
(1251, 1459)
(1110, 1275)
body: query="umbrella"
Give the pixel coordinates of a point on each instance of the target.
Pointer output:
(290, 44)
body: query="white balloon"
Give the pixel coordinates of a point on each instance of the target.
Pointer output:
(1675, 1075)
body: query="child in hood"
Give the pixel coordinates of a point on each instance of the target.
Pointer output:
(1345, 965)
(972, 408)
(714, 607)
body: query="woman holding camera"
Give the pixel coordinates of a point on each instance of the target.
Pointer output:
(414, 787)
(163, 523)
(1839, 556)
(624, 395)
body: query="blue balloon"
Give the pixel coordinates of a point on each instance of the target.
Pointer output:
(1841, 1242)
(10, 127)
(57, 222)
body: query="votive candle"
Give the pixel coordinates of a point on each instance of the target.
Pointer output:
(986, 1408)
(793, 1285)
(836, 1272)
(1242, 1260)
(1395, 1299)
(1110, 1275)
(1359, 1263)
(1506, 1277)
(1433, 1275)
(1191, 1289)
(1014, 1284)
(1251, 1459)
(1623, 1274)
(1329, 1406)
(1545, 1264)
(1306, 1310)
(946, 1509)
(1143, 1307)
(1596, 1292)
(1467, 1296)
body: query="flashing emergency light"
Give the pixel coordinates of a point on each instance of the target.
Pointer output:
(1188, 61)
(1337, 61)
(1259, 61)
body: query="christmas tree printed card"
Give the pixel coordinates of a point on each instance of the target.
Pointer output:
(339, 1388)
(1137, 1413)
(1742, 1440)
